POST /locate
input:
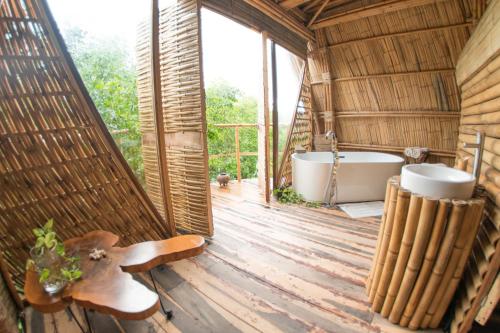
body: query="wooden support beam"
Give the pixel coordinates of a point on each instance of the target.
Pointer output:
(158, 115)
(289, 4)
(371, 10)
(275, 126)
(384, 75)
(280, 15)
(318, 12)
(397, 114)
(392, 35)
(237, 144)
(264, 126)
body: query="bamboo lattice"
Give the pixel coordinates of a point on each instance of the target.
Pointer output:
(478, 74)
(183, 112)
(57, 159)
(385, 67)
(300, 131)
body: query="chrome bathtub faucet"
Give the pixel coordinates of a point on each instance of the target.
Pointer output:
(478, 154)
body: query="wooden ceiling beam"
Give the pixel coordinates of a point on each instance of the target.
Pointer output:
(316, 14)
(368, 11)
(279, 14)
(311, 5)
(289, 4)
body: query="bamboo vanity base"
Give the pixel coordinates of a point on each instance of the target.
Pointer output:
(422, 248)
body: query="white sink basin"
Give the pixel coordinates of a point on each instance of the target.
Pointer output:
(437, 181)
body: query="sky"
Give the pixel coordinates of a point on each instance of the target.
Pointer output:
(231, 52)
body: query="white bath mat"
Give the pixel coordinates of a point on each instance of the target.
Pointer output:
(363, 209)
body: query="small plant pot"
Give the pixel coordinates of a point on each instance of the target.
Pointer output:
(223, 179)
(48, 265)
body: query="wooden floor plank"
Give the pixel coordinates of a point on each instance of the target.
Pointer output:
(268, 268)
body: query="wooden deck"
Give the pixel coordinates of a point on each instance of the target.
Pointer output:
(267, 269)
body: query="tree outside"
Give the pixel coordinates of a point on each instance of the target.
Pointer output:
(109, 75)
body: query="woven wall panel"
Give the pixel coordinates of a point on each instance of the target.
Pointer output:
(145, 98)
(478, 71)
(184, 116)
(183, 110)
(401, 61)
(300, 131)
(57, 159)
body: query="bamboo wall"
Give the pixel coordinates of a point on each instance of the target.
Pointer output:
(182, 117)
(57, 159)
(7, 310)
(300, 131)
(478, 75)
(390, 74)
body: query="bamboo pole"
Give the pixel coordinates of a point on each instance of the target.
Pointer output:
(445, 250)
(425, 270)
(384, 240)
(423, 232)
(164, 175)
(237, 147)
(275, 125)
(380, 233)
(404, 253)
(403, 202)
(454, 271)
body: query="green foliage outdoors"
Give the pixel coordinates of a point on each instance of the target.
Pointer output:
(227, 105)
(288, 196)
(109, 74)
(110, 77)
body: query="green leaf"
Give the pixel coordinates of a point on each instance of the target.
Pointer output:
(44, 275)
(38, 232)
(77, 274)
(49, 225)
(50, 240)
(40, 241)
(60, 249)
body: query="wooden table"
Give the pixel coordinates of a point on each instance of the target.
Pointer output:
(106, 285)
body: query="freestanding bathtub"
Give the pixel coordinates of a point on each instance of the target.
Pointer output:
(361, 176)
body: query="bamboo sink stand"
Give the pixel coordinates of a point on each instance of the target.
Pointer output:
(422, 249)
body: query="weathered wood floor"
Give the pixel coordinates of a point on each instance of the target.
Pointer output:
(267, 269)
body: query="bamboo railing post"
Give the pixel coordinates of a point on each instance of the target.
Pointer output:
(237, 144)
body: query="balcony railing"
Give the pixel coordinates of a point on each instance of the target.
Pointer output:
(237, 153)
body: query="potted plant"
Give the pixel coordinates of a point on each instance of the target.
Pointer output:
(48, 257)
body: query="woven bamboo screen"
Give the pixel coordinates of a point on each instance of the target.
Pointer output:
(57, 159)
(478, 74)
(301, 129)
(183, 109)
(394, 73)
(146, 116)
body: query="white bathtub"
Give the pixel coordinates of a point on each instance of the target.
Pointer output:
(361, 176)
